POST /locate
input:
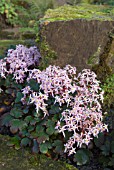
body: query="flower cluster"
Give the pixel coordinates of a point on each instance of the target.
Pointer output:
(84, 120)
(82, 95)
(54, 82)
(3, 70)
(18, 62)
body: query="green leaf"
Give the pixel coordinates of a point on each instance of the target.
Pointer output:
(26, 110)
(55, 118)
(100, 140)
(14, 141)
(2, 81)
(106, 148)
(59, 147)
(8, 81)
(18, 97)
(50, 130)
(34, 135)
(33, 122)
(54, 109)
(17, 113)
(28, 119)
(34, 85)
(30, 128)
(17, 123)
(50, 123)
(81, 157)
(50, 127)
(39, 129)
(44, 147)
(24, 133)
(25, 142)
(6, 119)
(42, 137)
(17, 85)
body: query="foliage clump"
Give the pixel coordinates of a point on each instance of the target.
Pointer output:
(8, 11)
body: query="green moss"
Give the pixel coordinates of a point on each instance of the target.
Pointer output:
(66, 12)
(11, 159)
(47, 53)
(103, 69)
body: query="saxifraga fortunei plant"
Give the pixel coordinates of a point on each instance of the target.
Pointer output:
(76, 100)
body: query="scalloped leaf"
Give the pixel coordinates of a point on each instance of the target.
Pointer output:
(28, 119)
(18, 97)
(17, 113)
(81, 157)
(59, 146)
(17, 123)
(6, 119)
(44, 147)
(54, 109)
(25, 141)
(34, 86)
(42, 137)
(50, 127)
(14, 141)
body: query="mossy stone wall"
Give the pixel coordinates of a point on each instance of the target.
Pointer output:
(77, 41)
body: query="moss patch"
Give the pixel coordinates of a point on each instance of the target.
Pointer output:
(11, 159)
(104, 68)
(66, 12)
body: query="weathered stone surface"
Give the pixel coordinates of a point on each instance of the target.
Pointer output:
(11, 159)
(77, 41)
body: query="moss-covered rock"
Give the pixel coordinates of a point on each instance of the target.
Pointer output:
(79, 35)
(78, 42)
(11, 159)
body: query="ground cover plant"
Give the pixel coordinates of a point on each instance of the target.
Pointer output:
(55, 111)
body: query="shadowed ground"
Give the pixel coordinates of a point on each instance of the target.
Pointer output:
(11, 159)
